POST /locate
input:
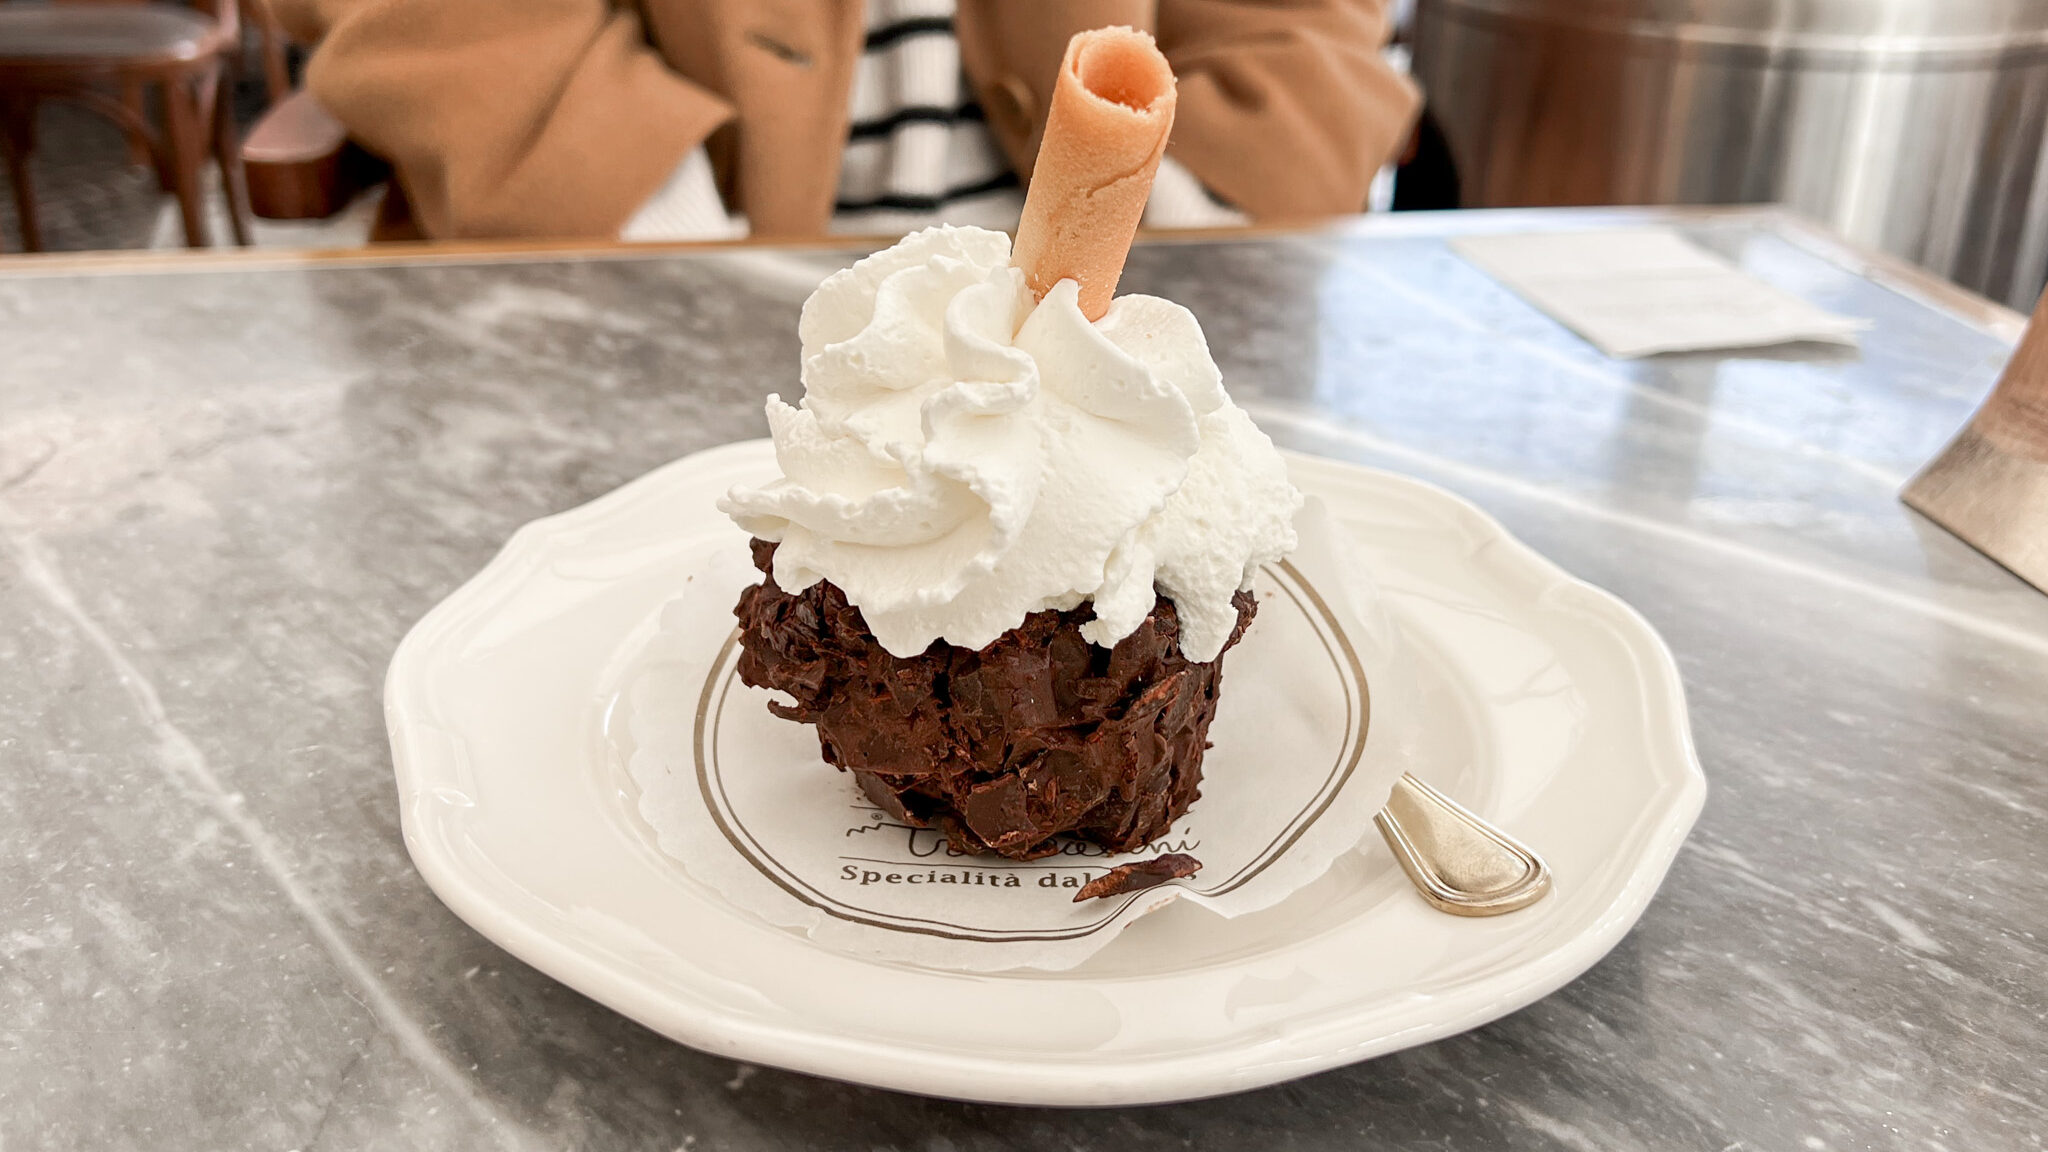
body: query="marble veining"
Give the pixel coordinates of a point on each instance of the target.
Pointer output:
(225, 494)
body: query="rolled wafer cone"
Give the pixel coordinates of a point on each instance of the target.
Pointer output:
(1105, 131)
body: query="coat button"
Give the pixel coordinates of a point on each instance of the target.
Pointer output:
(1012, 108)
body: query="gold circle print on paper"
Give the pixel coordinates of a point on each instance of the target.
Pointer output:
(1289, 732)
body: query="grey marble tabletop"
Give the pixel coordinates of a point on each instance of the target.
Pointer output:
(228, 486)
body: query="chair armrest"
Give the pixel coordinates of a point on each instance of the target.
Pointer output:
(299, 161)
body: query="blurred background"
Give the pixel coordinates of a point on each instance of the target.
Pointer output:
(1913, 126)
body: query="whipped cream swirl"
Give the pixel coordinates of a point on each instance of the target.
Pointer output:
(964, 456)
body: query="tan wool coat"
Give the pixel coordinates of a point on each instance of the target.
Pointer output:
(562, 117)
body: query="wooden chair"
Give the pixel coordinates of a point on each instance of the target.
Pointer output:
(299, 161)
(95, 54)
(301, 164)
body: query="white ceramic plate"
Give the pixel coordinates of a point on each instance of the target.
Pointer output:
(1552, 709)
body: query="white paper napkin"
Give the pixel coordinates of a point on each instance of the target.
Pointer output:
(1640, 291)
(742, 800)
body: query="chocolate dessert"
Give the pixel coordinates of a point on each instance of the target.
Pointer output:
(1038, 734)
(1018, 516)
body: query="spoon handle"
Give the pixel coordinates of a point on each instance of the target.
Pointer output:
(1460, 863)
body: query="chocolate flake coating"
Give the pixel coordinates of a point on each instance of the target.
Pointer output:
(1139, 875)
(1039, 734)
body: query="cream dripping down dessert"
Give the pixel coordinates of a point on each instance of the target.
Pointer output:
(1019, 517)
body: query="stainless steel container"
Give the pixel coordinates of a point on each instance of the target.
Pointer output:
(1916, 126)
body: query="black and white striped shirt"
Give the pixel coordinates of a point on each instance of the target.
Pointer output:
(918, 151)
